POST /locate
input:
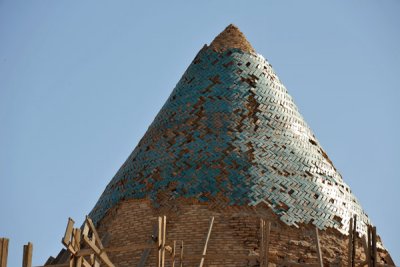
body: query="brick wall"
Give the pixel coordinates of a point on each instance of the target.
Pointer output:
(235, 233)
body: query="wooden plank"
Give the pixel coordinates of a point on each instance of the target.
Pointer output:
(262, 243)
(319, 253)
(366, 250)
(78, 261)
(369, 238)
(68, 232)
(267, 238)
(206, 243)
(77, 239)
(3, 251)
(85, 263)
(27, 255)
(353, 251)
(100, 253)
(173, 253)
(374, 249)
(84, 252)
(181, 255)
(350, 248)
(95, 243)
(159, 241)
(94, 232)
(164, 230)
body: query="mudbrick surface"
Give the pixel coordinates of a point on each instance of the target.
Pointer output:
(236, 233)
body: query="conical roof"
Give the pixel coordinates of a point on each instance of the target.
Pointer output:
(231, 135)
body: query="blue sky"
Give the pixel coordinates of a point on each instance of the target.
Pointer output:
(80, 82)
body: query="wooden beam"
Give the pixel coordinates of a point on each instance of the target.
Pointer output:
(206, 243)
(369, 237)
(27, 255)
(159, 241)
(94, 232)
(173, 253)
(181, 255)
(85, 263)
(68, 232)
(3, 251)
(164, 230)
(100, 253)
(374, 249)
(78, 261)
(366, 251)
(94, 242)
(319, 253)
(262, 243)
(353, 254)
(84, 252)
(78, 235)
(350, 248)
(267, 229)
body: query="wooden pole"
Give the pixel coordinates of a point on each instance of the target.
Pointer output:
(374, 262)
(207, 239)
(3, 252)
(27, 255)
(181, 255)
(366, 249)
(92, 240)
(164, 230)
(159, 241)
(173, 254)
(267, 238)
(350, 243)
(353, 254)
(321, 264)
(369, 239)
(262, 243)
(68, 232)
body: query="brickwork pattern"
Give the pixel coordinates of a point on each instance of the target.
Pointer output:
(230, 134)
(235, 233)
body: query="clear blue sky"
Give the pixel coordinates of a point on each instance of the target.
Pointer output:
(80, 82)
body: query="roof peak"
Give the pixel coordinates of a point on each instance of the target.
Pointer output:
(231, 37)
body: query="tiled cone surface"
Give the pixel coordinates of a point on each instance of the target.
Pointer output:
(230, 134)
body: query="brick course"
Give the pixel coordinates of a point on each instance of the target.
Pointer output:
(235, 233)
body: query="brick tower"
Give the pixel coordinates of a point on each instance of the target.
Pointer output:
(230, 144)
